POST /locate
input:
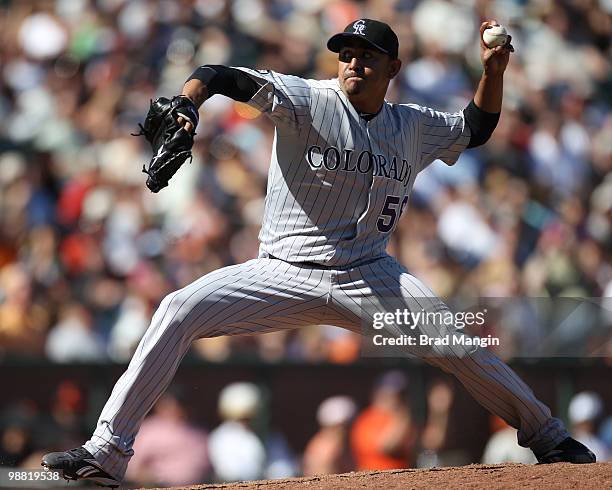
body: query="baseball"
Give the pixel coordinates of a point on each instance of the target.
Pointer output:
(495, 36)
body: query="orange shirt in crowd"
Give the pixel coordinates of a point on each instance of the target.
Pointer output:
(367, 437)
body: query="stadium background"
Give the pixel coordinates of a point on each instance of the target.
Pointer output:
(86, 252)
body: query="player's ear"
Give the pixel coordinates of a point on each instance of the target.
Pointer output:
(394, 67)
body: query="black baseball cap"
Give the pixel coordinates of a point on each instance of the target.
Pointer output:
(377, 34)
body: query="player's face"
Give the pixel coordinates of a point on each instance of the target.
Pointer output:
(363, 70)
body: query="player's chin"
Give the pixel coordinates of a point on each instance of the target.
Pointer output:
(354, 86)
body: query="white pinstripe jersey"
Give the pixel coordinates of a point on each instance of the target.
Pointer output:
(337, 183)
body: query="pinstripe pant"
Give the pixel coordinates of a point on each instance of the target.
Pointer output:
(264, 295)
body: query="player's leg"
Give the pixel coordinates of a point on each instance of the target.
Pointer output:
(261, 295)
(385, 285)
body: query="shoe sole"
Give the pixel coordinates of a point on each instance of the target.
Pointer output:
(69, 478)
(578, 459)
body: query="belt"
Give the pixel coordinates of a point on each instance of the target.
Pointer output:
(323, 266)
(309, 264)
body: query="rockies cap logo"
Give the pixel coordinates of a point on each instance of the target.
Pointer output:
(375, 33)
(359, 27)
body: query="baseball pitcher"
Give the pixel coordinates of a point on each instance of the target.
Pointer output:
(343, 163)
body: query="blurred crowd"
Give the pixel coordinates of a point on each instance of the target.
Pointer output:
(384, 434)
(87, 253)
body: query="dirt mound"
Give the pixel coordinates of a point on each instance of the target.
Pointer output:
(512, 476)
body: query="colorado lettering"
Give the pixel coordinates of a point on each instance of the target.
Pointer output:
(363, 162)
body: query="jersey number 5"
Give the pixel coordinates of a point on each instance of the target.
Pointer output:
(391, 211)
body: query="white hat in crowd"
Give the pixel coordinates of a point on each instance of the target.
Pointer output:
(238, 401)
(336, 410)
(585, 406)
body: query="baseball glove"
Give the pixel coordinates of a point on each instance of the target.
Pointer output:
(171, 143)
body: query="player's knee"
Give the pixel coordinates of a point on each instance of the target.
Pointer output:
(165, 303)
(166, 306)
(191, 312)
(173, 309)
(181, 304)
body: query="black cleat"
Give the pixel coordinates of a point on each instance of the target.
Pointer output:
(569, 451)
(79, 464)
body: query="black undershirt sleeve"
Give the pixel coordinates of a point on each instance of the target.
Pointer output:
(481, 124)
(226, 81)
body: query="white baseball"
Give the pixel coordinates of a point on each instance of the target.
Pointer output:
(495, 36)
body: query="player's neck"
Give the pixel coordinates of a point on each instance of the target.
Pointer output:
(366, 106)
(368, 103)
(368, 116)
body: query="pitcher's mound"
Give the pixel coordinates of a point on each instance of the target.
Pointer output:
(507, 476)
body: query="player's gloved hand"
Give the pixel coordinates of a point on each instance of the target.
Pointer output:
(170, 139)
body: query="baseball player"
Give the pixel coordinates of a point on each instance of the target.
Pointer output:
(342, 166)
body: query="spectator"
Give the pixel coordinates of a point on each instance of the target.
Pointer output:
(605, 433)
(584, 412)
(73, 338)
(434, 438)
(169, 450)
(502, 446)
(383, 435)
(23, 323)
(17, 425)
(236, 452)
(328, 451)
(15, 443)
(64, 422)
